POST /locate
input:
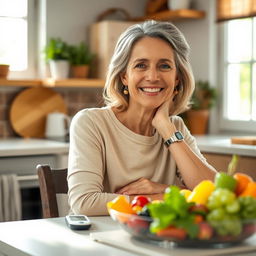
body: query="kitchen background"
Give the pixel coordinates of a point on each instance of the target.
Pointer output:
(72, 21)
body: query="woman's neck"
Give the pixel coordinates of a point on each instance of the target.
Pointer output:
(138, 121)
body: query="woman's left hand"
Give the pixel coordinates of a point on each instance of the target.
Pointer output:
(142, 186)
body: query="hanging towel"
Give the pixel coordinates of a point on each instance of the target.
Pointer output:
(10, 198)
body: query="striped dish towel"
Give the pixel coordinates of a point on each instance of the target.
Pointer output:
(10, 198)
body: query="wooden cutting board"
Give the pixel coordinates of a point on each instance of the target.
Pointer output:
(30, 108)
(247, 140)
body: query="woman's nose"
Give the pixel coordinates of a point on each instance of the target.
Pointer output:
(152, 75)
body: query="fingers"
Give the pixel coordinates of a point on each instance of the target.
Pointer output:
(140, 186)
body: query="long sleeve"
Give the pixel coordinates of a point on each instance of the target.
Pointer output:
(86, 169)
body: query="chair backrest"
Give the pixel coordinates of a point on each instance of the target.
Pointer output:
(51, 182)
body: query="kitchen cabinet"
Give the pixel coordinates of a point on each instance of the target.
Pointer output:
(218, 150)
(21, 156)
(220, 162)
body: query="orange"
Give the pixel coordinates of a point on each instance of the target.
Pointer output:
(250, 190)
(242, 182)
(120, 204)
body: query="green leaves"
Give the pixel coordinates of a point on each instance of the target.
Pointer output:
(80, 55)
(174, 210)
(56, 49)
(204, 96)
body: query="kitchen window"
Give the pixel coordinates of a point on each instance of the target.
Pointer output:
(238, 74)
(18, 37)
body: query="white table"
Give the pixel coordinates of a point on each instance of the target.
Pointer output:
(52, 237)
(48, 237)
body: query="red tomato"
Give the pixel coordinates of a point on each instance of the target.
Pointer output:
(178, 233)
(140, 201)
(137, 224)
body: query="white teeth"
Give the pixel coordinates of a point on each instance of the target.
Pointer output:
(151, 89)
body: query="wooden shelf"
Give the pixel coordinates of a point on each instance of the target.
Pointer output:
(49, 82)
(173, 15)
(21, 83)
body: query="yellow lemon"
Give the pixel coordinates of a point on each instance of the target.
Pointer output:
(201, 192)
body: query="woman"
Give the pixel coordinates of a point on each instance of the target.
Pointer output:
(137, 144)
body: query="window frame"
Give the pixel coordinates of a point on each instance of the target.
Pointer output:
(224, 123)
(31, 71)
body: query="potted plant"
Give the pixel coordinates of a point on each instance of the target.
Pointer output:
(57, 55)
(80, 60)
(203, 99)
(4, 70)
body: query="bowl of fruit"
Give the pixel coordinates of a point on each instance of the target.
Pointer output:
(218, 213)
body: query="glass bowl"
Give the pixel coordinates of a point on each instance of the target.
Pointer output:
(139, 227)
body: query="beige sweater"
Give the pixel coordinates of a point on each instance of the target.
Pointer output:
(105, 156)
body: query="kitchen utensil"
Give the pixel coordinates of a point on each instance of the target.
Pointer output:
(29, 110)
(247, 140)
(57, 125)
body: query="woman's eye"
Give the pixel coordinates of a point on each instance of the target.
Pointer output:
(140, 65)
(165, 66)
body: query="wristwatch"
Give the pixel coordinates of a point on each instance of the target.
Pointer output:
(176, 137)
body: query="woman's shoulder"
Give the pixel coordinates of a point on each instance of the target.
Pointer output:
(91, 113)
(177, 120)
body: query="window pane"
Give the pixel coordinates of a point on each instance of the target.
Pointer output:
(14, 8)
(238, 93)
(13, 43)
(254, 93)
(239, 41)
(254, 36)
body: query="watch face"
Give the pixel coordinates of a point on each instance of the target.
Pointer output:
(178, 135)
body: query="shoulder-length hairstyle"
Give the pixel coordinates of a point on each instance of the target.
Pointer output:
(113, 90)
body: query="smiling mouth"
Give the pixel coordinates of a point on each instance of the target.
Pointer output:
(151, 89)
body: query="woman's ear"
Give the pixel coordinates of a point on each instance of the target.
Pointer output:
(177, 81)
(123, 78)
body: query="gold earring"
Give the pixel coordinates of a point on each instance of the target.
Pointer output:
(125, 91)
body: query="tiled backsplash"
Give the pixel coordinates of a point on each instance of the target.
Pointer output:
(76, 99)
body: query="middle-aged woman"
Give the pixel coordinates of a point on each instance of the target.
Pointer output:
(137, 144)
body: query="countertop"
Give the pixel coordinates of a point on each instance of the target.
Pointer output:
(21, 147)
(210, 143)
(221, 144)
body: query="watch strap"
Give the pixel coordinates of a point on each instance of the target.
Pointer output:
(176, 137)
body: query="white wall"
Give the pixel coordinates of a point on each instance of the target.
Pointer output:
(70, 19)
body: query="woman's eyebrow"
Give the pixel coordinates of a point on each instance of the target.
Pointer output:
(168, 60)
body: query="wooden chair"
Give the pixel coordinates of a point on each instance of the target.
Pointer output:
(51, 182)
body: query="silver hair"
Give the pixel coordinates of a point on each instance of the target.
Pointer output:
(113, 90)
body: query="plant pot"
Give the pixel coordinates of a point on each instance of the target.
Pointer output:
(197, 121)
(4, 70)
(80, 71)
(59, 69)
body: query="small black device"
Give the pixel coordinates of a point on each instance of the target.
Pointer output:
(78, 222)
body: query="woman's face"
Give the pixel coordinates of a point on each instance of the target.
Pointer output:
(151, 74)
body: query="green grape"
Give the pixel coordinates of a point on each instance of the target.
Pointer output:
(216, 214)
(234, 207)
(248, 207)
(220, 197)
(229, 225)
